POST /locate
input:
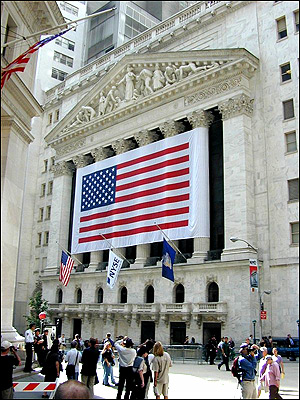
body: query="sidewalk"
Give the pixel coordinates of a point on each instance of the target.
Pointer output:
(188, 381)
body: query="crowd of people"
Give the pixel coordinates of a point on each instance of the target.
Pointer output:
(139, 366)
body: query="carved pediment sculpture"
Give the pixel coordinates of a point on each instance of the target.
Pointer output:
(136, 83)
(144, 80)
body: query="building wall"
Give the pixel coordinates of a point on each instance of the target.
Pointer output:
(256, 167)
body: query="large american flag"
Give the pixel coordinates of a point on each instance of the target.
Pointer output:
(66, 266)
(19, 64)
(125, 197)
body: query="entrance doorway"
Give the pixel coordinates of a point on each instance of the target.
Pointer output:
(177, 332)
(76, 327)
(147, 330)
(210, 329)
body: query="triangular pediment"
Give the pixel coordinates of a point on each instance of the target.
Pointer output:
(142, 79)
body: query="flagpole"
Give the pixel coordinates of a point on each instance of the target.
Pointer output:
(71, 255)
(170, 241)
(45, 31)
(117, 251)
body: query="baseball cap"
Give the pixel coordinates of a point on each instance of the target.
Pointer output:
(5, 345)
(268, 357)
(243, 345)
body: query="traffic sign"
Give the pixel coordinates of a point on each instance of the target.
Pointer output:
(263, 315)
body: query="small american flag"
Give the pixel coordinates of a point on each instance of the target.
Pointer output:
(125, 196)
(19, 64)
(66, 266)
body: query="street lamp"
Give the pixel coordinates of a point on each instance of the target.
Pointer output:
(236, 239)
(298, 330)
(261, 304)
(254, 322)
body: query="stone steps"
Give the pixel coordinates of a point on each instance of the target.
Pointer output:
(19, 374)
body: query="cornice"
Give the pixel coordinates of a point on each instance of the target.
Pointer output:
(156, 38)
(202, 84)
(11, 123)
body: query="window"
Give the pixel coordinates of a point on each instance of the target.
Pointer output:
(281, 28)
(50, 187)
(123, 295)
(150, 294)
(69, 8)
(213, 292)
(46, 238)
(56, 116)
(291, 142)
(43, 189)
(59, 296)
(288, 109)
(39, 239)
(41, 214)
(65, 43)
(285, 72)
(179, 294)
(50, 119)
(293, 185)
(295, 232)
(45, 165)
(48, 212)
(79, 296)
(63, 59)
(57, 74)
(100, 295)
(296, 19)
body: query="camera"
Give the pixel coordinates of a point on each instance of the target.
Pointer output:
(12, 348)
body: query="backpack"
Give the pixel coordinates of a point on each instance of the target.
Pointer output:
(235, 369)
(137, 362)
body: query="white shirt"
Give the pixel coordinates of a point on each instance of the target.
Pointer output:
(70, 358)
(29, 336)
(126, 355)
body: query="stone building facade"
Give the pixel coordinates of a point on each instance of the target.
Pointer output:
(20, 137)
(232, 68)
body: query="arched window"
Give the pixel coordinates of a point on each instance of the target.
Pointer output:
(213, 292)
(123, 295)
(79, 296)
(179, 293)
(59, 296)
(100, 295)
(150, 294)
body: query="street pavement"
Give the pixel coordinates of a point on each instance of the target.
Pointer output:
(187, 381)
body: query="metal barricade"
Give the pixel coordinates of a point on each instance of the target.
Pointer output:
(186, 353)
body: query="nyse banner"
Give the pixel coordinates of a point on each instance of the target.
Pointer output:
(253, 274)
(125, 196)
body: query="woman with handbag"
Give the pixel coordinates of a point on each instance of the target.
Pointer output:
(108, 362)
(73, 358)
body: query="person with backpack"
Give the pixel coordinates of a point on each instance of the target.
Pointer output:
(247, 363)
(139, 374)
(127, 356)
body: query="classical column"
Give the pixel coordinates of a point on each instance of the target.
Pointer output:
(201, 119)
(15, 140)
(143, 138)
(60, 214)
(122, 145)
(239, 212)
(171, 128)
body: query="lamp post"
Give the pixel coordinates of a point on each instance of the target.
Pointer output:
(254, 322)
(261, 304)
(298, 330)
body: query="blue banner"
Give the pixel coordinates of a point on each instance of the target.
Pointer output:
(168, 261)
